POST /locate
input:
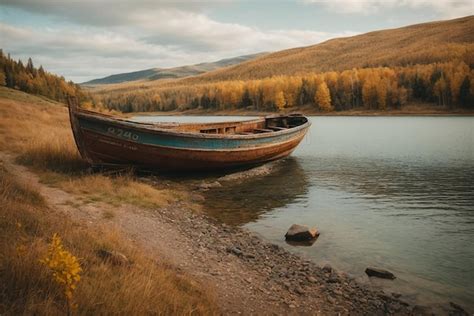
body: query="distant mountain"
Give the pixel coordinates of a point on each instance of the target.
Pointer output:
(415, 44)
(171, 73)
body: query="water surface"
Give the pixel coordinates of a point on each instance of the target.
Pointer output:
(392, 192)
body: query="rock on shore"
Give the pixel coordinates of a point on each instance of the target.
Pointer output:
(379, 273)
(301, 233)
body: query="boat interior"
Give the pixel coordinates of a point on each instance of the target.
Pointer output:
(259, 126)
(269, 124)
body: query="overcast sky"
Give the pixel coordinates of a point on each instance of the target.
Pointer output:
(89, 39)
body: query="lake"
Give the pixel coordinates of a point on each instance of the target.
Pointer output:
(390, 192)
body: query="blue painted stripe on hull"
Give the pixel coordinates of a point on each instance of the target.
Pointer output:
(184, 142)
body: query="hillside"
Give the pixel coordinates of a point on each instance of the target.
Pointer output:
(14, 74)
(416, 44)
(382, 70)
(170, 73)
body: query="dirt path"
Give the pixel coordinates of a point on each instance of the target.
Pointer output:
(248, 275)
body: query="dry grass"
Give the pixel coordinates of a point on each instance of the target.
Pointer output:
(116, 190)
(51, 151)
(24, 117)
(38, 131)
(144, 287)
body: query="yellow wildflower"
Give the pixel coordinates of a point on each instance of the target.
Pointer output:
(64, 266)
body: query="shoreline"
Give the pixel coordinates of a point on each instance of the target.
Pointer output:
(408, 111)
(243, 267)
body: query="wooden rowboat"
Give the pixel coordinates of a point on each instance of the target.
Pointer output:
(105, 140)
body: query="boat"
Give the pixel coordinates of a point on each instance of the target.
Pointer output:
(108, 141)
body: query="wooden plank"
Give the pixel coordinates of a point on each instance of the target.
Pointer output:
(264, 130)
(245, 133)
(277, 128)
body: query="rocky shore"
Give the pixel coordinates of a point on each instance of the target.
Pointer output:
(299, 284)
(249, 275)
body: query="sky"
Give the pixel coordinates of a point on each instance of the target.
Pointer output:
(89, 39)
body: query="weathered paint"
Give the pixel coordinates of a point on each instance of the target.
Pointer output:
(103, 149)
(101, 139)
(182, 141)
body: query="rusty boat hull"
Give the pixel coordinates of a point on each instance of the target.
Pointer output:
(105, 140)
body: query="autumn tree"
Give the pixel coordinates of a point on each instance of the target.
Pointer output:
(322, 98)
(369, 91)
(2, 78)
(381, 89)
(375, 88)
(440, 90)
(14, 74)
(279, 100)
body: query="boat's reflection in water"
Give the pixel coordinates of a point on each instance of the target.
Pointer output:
(244, 200)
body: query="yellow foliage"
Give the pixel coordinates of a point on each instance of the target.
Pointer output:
(279, 100)
(374, 88)
(64, 266)
(87, 105)
(440, 90)
(322, 98)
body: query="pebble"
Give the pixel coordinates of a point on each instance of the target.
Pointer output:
(299, 290)
(327, 268)
(333, 278)
(331, 299)
(337, 292)
(312, 279)
(236, 251)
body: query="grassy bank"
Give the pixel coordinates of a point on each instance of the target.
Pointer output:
(37, 131)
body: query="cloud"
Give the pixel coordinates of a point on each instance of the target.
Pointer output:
(196, 31)
(109, 12)
(175, 23)
(171, 38)
(448, 8)
(84, 54)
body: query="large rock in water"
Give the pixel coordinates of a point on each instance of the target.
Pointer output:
(379, 273)
(301, 233)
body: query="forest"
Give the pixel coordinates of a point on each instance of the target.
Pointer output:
(14, 74)
(447, 84)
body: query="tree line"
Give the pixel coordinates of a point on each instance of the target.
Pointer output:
(14, 74)
(448, 84)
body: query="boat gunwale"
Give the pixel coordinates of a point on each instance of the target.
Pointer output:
(155, 129)
(242, 149)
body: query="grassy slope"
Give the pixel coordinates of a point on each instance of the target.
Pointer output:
(38, 131)
(421, 43)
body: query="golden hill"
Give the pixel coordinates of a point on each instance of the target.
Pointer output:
(416, 44)
(428, 63)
